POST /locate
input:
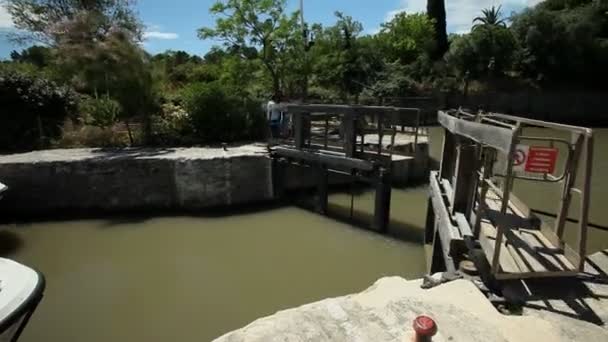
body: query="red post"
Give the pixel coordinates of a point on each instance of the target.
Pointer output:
(425, 328)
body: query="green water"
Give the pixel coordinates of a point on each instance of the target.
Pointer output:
(196, 278)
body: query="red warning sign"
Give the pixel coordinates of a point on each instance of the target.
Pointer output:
(541, 159)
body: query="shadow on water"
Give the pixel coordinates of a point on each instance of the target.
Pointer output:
(9, 243)
(141, 215)
(362, 220)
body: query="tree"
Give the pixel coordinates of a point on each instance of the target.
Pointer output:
(436, 11)
(490, 17)
(343, 61)
(485, 51)
(406, 37)
(40, 56)
(46, 21)
(563, 42)
(262, 24)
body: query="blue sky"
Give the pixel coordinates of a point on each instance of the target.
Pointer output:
(172, 24)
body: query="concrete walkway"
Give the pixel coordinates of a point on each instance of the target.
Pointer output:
(385, 312)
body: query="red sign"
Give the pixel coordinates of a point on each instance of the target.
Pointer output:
(541, 159)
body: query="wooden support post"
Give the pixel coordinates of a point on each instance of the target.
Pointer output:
(278, 181)
(585, 197)
(321, 189)
(380, 132)
(326, 136)
(299, 130)
(447, 155)
(488, 161)
(500, 228)
(569, 182)
(382, 202)
(349, 124)
(429, 229)
(464, 179)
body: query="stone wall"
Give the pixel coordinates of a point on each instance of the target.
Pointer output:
(82, 180)
(117, 180)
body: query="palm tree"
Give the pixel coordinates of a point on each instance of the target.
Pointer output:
(490, 17)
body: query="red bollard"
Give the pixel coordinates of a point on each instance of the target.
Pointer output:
(425, 328)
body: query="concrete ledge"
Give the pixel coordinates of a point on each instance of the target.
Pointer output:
(73, 180)
(385, 312)
(118, 180)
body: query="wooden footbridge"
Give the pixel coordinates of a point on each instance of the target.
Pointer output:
(472, 208)
(357, 141)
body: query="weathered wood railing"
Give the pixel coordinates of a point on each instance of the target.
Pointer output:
(468, 209)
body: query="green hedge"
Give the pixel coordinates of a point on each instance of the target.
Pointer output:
(33, 111)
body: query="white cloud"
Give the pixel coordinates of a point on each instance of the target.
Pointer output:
(160, 35)
(5, 18)
(460, 13)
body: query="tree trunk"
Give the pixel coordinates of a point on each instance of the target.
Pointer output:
(436, 10)
(129, 131)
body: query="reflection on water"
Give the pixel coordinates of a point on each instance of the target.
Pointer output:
(195, 278)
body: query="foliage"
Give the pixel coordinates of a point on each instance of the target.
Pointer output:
(560, 43)
(40, 56)
(47, 21)
(217, 116)
(487, 50)
(101, 112)
(490, 17)
(75, 135)
(406, 37)
(436, 11)
(260, 24)
(343, 61)
(33, 110)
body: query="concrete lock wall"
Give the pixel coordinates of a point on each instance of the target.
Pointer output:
(89, 179)
(45, 182)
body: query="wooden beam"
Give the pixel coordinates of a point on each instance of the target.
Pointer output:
(464, 179)
(497, 137)
(322, 186)
(382, 204)
(331, 160)
(349, 125)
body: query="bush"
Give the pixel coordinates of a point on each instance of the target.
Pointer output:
(100, 112)
(33, 110)
(217, 116)
(75, 136)
(486, 50)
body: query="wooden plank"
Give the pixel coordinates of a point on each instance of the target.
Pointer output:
(346, 109)
(446, 169)
(382, 205)
(451, 238)
(463, 225)
(322, 187)
(299, 128)
(497, 137)
(599, 261)
(331, 160)
(487, 239)
(525, 254)
(349, 124)
(464, 179)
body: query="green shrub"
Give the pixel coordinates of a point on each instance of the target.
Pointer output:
(486, 50)
(217, 116)
(33, 110)
(75, 136)
(101, 112)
